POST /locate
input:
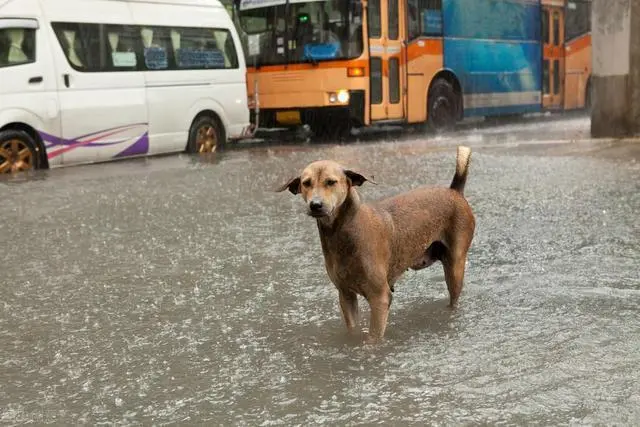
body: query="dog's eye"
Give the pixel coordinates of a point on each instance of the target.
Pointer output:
(306, 183)
(330, 182)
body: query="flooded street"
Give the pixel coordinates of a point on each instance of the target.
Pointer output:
(172, 290)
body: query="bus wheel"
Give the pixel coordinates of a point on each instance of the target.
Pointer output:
(205, 136)
(17, 152)
(442, 106)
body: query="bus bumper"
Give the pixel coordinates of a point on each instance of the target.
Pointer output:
(353, 111)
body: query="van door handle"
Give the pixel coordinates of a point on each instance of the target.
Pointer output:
(34, 80)
(66, 79)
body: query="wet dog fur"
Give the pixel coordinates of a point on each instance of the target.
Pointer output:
(367, 247)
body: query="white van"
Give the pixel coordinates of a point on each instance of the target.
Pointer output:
(84, 81)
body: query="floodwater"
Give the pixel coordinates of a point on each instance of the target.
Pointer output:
(174, 290)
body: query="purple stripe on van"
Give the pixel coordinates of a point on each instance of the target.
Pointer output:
(141, 146)
(51, 141)
(57, 146)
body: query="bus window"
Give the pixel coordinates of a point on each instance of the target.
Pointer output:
(413, 19)
(545, 76)
(431, 17)
(556, 77)
(394, 30)
(577, 20)
(304, 31)
(556, 28)
(424, 18)
(373, 16)
(394, 81)
(254, 23)
(376, 80)
(545, 26)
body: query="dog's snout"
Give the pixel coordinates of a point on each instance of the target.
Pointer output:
(315, 205)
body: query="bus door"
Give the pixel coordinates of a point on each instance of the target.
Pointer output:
(386, 29)
(553, 57)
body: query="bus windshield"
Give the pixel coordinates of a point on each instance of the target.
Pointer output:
(299, 31)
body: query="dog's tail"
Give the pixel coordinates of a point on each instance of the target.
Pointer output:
(462, 169)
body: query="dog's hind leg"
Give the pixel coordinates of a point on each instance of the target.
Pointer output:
(454, 265)
(349, 307)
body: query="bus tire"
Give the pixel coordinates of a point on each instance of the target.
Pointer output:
(205, 135)
(443, 106)
(18, 152)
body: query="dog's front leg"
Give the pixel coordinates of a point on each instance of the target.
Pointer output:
(349, 306)
(379, 303)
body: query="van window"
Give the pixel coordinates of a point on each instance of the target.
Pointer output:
(104, 48)
(202, 48)
(17, 46)
(76, 40)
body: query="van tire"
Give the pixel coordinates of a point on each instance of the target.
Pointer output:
(13, 157)
(443, 106)
(205, 136)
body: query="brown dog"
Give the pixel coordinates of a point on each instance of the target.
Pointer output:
(367, 247)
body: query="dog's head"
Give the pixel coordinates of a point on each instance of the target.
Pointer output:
(324, 186)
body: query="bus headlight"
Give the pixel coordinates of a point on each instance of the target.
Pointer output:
(340, 97)
(343, 96)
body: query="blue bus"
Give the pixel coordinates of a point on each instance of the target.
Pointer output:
(412, 61)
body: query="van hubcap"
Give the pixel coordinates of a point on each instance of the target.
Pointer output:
(15, 156)
(206, 141)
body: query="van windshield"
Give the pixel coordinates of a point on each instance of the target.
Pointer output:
(294, 31)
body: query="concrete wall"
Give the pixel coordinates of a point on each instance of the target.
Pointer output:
(634, 68)
(616, 68)
(611, 26)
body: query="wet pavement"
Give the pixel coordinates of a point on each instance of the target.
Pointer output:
(175, 290)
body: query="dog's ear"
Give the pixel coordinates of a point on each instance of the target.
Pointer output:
(356, 178)
(293, 185)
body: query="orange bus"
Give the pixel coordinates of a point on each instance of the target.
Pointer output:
(338, 64)
(567, 54)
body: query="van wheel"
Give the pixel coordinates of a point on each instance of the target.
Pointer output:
(17, 152)
(205, 136)
(443, 106)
